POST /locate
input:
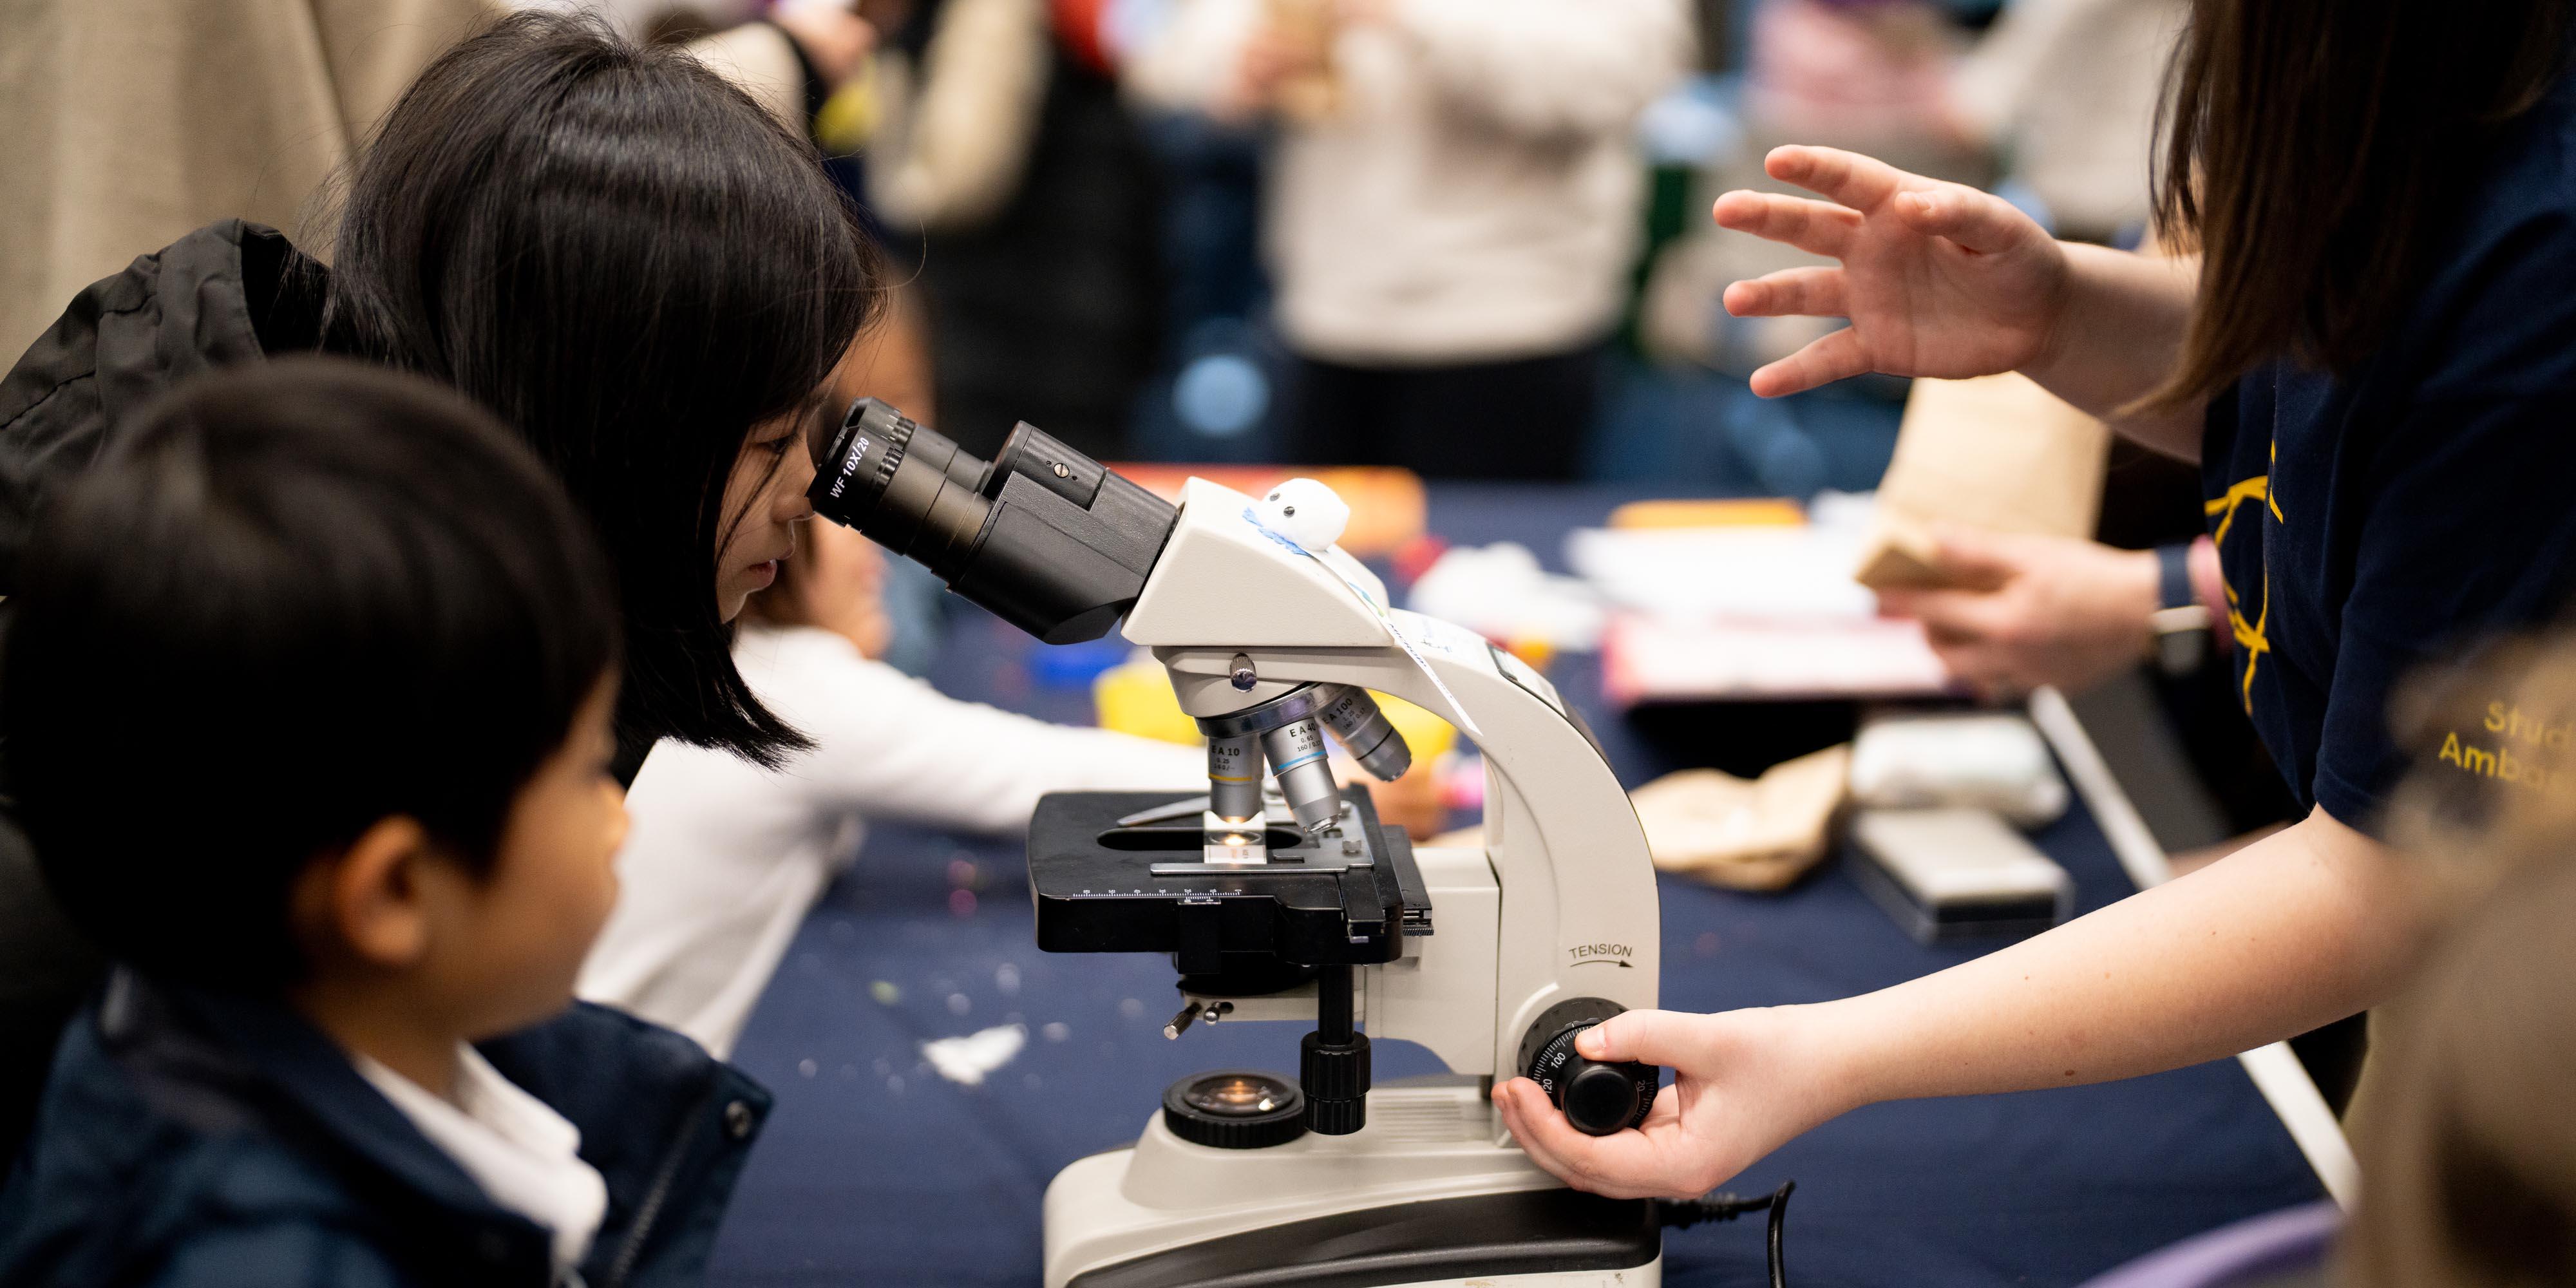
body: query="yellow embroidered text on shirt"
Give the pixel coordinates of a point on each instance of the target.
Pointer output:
(2253, 637)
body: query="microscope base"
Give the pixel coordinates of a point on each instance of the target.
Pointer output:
(1423, 1197)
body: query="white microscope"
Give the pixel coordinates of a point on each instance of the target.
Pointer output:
(1290, 901)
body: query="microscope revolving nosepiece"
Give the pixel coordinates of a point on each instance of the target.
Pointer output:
(1290, 730)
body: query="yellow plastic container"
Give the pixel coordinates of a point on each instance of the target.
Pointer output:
(1135, 697)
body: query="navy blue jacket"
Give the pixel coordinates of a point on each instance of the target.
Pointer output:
(197, 1140)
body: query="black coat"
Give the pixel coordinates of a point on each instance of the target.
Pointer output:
(192, 1139)
(226, 293)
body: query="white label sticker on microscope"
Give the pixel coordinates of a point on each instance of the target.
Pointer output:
(1448, 639)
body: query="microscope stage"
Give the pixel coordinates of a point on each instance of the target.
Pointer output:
(1336, 899)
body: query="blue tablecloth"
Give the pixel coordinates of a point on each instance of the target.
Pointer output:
(874, 1170)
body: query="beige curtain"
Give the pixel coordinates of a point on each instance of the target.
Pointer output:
(125, 123)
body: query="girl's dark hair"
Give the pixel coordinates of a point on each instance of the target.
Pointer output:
(304, 596)
(632, 263)
(2313, 152)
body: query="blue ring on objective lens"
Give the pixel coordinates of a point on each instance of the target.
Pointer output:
(1308, 758)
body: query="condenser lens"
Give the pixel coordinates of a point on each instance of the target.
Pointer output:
(1234, 1109)
(1236, 1095)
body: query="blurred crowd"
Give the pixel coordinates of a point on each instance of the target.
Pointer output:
(1455, 235)
(1459, 237)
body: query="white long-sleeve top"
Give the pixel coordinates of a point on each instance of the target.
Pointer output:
(1475, 196)
(723, 858)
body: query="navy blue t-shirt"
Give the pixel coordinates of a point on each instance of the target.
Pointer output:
(2371, 525)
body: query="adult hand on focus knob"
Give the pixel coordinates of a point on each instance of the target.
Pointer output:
(1938, 279)
(1741, 1089)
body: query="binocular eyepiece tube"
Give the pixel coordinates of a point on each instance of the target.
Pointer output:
(1042, 535)
(1055, 544)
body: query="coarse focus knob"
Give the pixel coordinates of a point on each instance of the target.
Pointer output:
(1335, 1078)
(1598, 1098)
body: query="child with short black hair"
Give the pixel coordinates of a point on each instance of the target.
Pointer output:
(307, 703)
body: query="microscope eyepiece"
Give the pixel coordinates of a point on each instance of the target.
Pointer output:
(1043, 535)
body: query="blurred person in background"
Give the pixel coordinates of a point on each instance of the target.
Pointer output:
(247, 108)
(2464, 1134)
(2054, 102)
(1008, 175)
(1452, 206)
(2063, 92)
(132, 121)
(790, 56)
(725, 857)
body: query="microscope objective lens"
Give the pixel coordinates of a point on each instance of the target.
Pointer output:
(1234, 778)
(1297, 760)
(1354, 718)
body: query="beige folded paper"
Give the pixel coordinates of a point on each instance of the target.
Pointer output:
(1997, 453)
(1748, 835)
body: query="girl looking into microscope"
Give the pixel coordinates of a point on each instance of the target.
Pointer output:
(2371, 350)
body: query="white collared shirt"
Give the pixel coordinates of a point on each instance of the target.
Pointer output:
(524, 1154)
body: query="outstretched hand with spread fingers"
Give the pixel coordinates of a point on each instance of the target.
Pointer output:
(1740, 1091)
(1937, 279)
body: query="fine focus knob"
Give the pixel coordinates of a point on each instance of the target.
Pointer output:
(1598, 1098)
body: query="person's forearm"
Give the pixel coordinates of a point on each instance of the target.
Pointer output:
(905, 750)
(2304, 927)
(2118, 339)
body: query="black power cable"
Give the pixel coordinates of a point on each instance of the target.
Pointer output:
(1681, 1214)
